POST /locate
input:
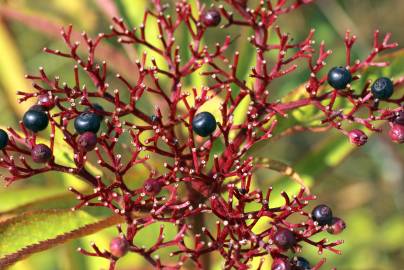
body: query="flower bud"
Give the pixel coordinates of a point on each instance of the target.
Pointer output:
(357, 137)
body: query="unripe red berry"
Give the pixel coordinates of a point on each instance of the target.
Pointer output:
(396, 133)
(280, 264)
(152, 186)
(41, 153)
(284, 238)
(337, 226)
(357, 137)
(211, 17)
(87, 141)
(118, 247)
(46, 101)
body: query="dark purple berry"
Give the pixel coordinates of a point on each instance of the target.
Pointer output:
(284, 238)
(204, 124)
(357, 137)
(399, 118)
(87, 141)
(46, 101)
(339, 77)
(211, 17)
(3, 139)
(322, 214)
(280, 264)
(300, 263)
(382, 88)
(97, 109)
(41, 153)
(35, 120)
(118, 247)
(337, 226)
(242, 191)
(396, 133)
(152, 186)
(154, 118)
(87, 121)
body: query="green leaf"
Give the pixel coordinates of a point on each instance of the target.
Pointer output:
(27, 195)
(36, 231)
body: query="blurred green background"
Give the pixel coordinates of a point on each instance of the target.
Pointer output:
(366, 188)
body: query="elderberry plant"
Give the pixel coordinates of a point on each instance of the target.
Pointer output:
(199, 187)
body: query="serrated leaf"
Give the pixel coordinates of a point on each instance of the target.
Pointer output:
(26, 195)
(37, 231)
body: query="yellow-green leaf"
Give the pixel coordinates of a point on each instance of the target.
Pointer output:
(36, 231)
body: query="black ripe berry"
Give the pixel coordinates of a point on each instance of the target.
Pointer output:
(211, 18)
(97, 109)
(382, 88)
(284, 238)
(300, 263)
(38, 108)
(41, 153)
(281, 264)
(322, 214)
(118, 247)
(87, 141)
(3, 139)
(339, 77)
(87, 121)
(204, 124)
(35, 120)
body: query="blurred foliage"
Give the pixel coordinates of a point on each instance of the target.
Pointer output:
(365, 187)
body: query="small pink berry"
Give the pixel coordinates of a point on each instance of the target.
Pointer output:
(357, 137)
(396, 133)
(118, 247)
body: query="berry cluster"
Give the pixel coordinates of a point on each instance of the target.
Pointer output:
(209, 197)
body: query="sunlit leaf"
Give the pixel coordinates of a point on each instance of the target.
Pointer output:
(12, 79)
